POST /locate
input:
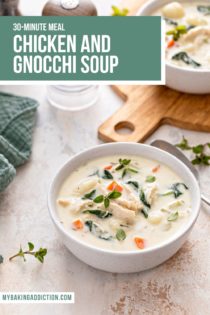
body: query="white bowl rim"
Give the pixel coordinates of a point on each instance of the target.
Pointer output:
(182, 231)
(140, 12)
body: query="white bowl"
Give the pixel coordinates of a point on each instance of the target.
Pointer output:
(185, 80)
(121, 261)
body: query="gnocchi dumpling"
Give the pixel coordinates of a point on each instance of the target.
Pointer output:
(86, 185)
(173, 10)
(155, 217)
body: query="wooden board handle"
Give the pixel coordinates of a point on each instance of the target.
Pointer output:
(138, 130)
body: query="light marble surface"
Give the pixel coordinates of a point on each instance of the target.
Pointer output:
(179, 286)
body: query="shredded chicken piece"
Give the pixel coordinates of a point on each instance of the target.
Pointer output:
(133, 197)
(192, 34)
(78, 205)
(121, 213)
(130, 205)
(151, 193)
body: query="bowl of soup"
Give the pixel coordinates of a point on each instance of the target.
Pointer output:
(187, 42)
(124, 207)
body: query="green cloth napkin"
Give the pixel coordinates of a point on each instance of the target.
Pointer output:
(17, 119)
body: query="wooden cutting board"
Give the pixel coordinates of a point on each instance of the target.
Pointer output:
(148, 107)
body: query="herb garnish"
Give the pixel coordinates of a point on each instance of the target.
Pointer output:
(99, 213)
(107, 175)
(150, 179)
(183, 56)
(123, 165)
(183, 145)
(40, 254)
(89, 195)
(106, 199)
(177, 32)
(200, 158)
(133, 183)
(97, 231)
(173, 216)
(119, 12)
(175, 190)
(1, 259)
(120, 235)
(204, 9)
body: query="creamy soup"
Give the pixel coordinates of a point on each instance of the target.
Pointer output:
(187, 33)
(123, 203)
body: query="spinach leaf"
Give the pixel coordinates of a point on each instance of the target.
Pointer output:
(120, 235)
(145, 203)
(170, 22)
(145, 212)
(173, 216)
(99, 213)
(204, 9)
(107, 175)
(175, 190)
(97, 231)
(89, 195)
(183, 56)
(1, 259)
(143, 199)
(134, 184)
(89, 224)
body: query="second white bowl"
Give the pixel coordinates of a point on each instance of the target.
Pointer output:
(181, 79)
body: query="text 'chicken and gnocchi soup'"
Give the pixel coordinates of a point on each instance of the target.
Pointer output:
(123, 203)
(187, 33)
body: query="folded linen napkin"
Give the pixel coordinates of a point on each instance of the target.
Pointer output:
(17, 119)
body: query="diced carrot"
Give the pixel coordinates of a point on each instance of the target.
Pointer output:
(156, 169)
(108, 167)
(111, 186)
(171, 43)
(139, 242)
(77, 224)
(115, 186)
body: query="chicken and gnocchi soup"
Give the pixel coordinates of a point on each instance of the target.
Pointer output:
(187, 33)
(123, 203)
